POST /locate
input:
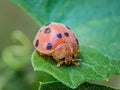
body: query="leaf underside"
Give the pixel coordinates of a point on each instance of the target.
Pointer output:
(85, 86)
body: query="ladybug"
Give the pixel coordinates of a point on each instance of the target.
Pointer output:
(57, 40)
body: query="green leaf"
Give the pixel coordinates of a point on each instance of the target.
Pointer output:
(73, 76)
(84, 86)
(45, 77)
(97, 27)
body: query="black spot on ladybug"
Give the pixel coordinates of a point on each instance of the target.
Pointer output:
(47, 30)
(59, 35)
(49, 46)
(37, 43)
(77, 41)
(66, 34)
(67, 27)
(47, 24)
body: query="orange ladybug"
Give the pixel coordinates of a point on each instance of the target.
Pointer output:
(57, 40)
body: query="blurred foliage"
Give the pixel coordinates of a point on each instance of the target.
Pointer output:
(16, 72)
(15, 64)
(16, 56)
(12, 18)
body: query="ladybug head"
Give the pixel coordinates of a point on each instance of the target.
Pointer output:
(65, 54)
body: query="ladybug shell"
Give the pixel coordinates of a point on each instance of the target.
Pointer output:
(52, 36)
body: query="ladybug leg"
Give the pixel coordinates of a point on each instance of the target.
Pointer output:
(75, 63)
(59, 63)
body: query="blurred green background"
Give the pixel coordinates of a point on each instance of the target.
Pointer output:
(12, 18)
(16, 75)
(17, 31)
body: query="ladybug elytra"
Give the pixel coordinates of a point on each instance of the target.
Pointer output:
(57, 40)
